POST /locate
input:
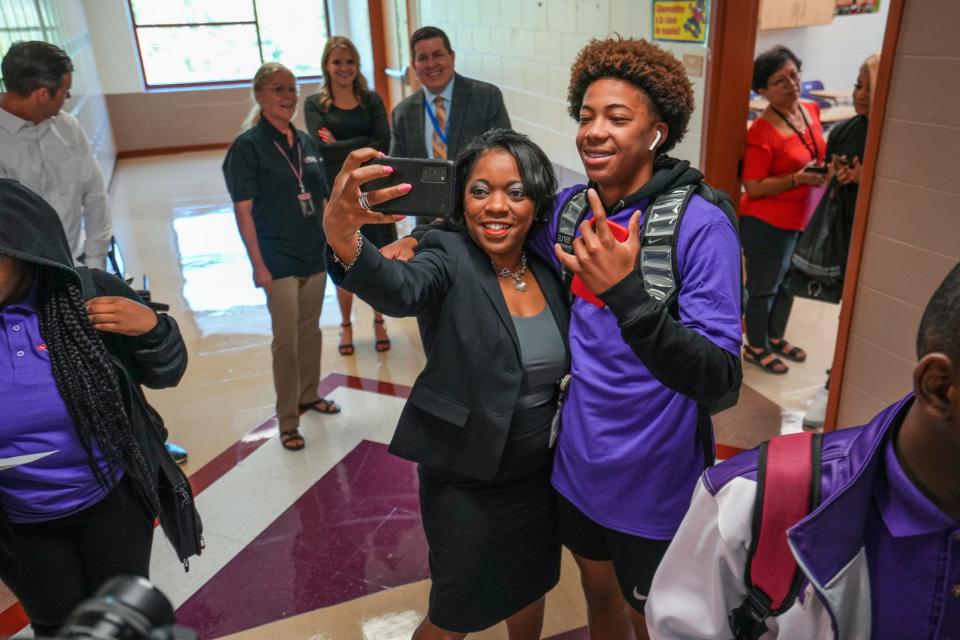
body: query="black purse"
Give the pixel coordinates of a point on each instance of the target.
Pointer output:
(819, 261)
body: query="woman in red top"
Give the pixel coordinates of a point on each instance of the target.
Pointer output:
(784, 147)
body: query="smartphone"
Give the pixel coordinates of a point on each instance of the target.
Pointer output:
(816, 168)
(433, 192)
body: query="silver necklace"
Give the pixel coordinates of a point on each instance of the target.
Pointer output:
(503, 272)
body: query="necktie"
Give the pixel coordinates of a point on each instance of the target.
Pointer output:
(439, 146)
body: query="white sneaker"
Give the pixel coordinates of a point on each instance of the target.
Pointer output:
(816, 410)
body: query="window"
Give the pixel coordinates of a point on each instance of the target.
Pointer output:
(191, 42)
(19, 20)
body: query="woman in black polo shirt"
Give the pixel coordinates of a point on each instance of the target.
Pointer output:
(277, 186)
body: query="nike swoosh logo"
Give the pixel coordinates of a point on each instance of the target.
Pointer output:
(636, 594)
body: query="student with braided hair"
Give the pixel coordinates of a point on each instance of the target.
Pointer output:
(78, 506)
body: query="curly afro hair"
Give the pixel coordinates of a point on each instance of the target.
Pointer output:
(658, 74)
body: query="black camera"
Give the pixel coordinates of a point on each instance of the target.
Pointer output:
(127, 608)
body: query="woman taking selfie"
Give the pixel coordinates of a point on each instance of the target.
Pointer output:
(783, 162)
(493, 319)
(273, 174)
(344, 116)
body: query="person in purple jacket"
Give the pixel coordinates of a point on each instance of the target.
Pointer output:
(636, 431)
(880, 556)
(77, 492)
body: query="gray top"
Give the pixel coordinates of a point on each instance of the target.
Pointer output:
(542, 356)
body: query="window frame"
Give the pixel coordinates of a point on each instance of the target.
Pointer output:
(240, 82)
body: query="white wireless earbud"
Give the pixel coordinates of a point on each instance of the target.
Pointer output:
(656, 141)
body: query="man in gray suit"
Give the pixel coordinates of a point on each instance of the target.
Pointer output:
(449, 110)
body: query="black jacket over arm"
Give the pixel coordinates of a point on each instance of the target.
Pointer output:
(458, 414)
(156, 359)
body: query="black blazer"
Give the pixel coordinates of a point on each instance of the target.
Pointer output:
(458, 414)
(477, 107)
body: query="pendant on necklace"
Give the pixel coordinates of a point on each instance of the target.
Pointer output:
(519, 285)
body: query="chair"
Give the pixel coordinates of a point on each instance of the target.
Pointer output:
(813, 85)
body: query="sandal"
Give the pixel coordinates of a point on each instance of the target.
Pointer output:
(346, 348)
(322, 406)
(292, 440)
(775, 366)
(381, 345)
(788, 351)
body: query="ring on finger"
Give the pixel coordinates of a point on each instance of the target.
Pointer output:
(364, 201)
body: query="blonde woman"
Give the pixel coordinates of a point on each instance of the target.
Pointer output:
(274, 177)
(344, 116)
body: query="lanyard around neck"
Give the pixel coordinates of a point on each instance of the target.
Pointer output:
(435, 122)
(815, 151)
(298, 172)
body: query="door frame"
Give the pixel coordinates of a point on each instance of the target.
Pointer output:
(861, 219)
(732, 43)
(733, 37)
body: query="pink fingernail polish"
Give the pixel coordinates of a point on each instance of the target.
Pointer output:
(388, 169)
(406, 187)
(381, 154)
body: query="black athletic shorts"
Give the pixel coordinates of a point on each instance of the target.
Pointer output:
(635, 559)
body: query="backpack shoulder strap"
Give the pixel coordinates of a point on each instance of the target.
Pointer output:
(788, 488)
(571, 216)
(86, 281)
(658, 242)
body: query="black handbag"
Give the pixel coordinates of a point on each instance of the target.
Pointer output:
(819, 261)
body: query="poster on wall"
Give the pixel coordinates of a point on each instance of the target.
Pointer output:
(856, 7)
(681, 21)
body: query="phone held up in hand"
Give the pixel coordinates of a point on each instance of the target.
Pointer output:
(433, 192)
(818, 169)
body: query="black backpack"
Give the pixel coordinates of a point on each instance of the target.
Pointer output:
(658, 246)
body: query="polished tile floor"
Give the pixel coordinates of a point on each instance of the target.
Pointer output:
(325, 543)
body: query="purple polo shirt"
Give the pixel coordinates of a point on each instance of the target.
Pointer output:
(913, 551)
(34, 420)
(628, 455)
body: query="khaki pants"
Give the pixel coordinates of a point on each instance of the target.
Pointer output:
(295, 305)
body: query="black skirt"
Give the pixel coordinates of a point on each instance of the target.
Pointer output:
(494, 547)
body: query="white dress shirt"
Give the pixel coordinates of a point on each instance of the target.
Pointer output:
(54, 159)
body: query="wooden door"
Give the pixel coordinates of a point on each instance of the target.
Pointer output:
(391, 23)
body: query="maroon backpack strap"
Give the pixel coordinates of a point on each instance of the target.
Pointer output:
(788, 488)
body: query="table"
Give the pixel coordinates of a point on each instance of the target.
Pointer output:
(837, 95)
(836, 114)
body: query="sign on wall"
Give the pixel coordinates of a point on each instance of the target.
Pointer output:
(856, 7)
(680, 21)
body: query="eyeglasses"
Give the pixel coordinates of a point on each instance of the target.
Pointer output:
(784, 82)
(281, 89)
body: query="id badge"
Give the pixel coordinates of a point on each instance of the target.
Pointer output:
(306, 205)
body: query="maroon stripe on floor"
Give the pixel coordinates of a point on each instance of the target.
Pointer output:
(237, 452)
(356, 531)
